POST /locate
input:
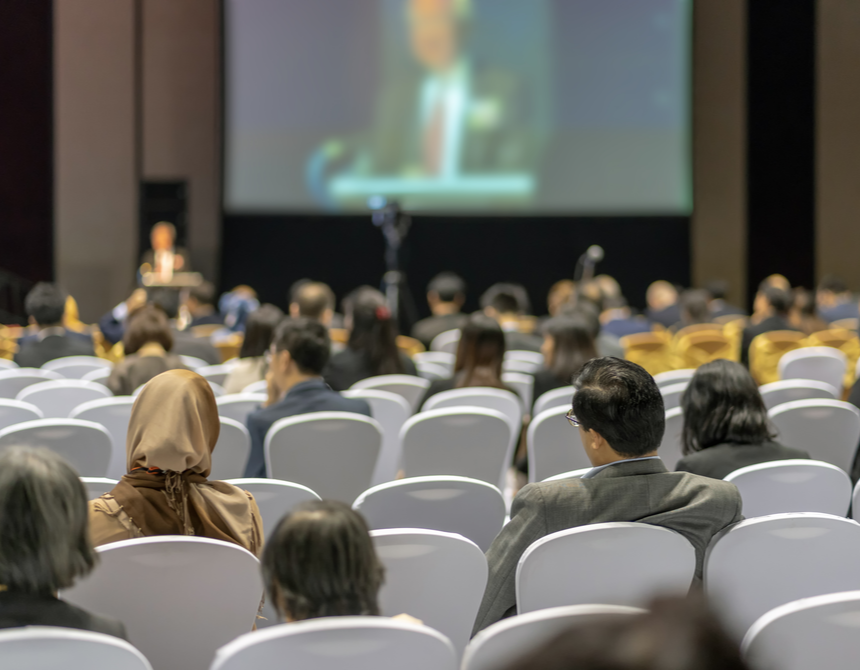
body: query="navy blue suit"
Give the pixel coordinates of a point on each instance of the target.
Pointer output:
(310, 396)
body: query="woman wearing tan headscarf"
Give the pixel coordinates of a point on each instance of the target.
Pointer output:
(173, 428)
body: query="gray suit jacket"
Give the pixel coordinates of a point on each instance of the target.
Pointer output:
(643, 491)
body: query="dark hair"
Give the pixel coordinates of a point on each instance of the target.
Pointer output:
(313, 299)
(260, 330)
(694, 306)
(722, 405)
(147, 324)
(44, 523)
(320, 561)
(374, 332)
(585, 310)
(804, 302)
(46, 303)
(620, 401)
(717, 289)
(480, 353)
(166, 299)
(307, 341)
(447, 285)
(674, 634)
(779, 299)
(204, 293)
(832, 283)
(506, 299)
(573, 345)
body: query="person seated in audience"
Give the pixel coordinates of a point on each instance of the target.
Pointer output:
(663, 305)
(259, 333)
(718, 289)
(44, 542)
(172, 432)
(200, 304)
(561, 294)
(148, 343)
(567, 346)
(618, 319)
(507, 304)
(672, 634)
(695, 309)
(313, 300)
(298, 355)
(480, 355)
(803, 314)
(761, 308)
(236, 305)
(620, 416)
(835, 300)
(112, 324)
(446, 294)
(725, 423)
(607, 344)
(46, 305)
(772, 305)
(372, 346)
(184, 342)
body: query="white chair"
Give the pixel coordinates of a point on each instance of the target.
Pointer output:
(560, 397)
(472, 508)
(672, 394)
(75, 367)
(573, 474)
(758, 564)
(57, 399)
(496, 645)
(214, 373)
(391, 411)
(518, 365)
(553, 445)
(6, 364)
(340, 643)
(257, 387)
(50, 647)
(534, 357)
(670, 448)
(673, 377)
(464, 441)
(114, 414)
(180, 598)
(217, 389)
(592, 564)
(85, 445)
(818, 632)
(798, 485)
(238, 406)
(447, 342)
(431, 371)
(333, 453)
(98, 486)
(98, 375)
(823, 364)
(15, 411)
(230, 454)
(409, 386)
(442, 358)
(274, 497)
(828, 429)
(523, 384)
(855, 503)
(789, 390)
(193, 362)
(436, 577)
(500, 400)
(12, 382)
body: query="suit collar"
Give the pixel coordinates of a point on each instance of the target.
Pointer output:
(651, 466)
(309, 385)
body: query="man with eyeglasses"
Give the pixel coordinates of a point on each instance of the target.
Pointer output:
(619, 413)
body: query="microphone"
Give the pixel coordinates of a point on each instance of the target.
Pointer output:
(594, 254)
(585, 265)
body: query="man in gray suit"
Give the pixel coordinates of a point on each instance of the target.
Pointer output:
(619, 413)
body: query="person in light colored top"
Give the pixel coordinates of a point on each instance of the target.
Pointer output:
(259, 331)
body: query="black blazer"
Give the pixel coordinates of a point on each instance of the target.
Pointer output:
(766, 326)
(35, 353)
(426, 329)
(349, 366)
(723, 459)
(27, 609)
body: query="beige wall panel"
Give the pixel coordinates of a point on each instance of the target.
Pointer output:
(95, 170)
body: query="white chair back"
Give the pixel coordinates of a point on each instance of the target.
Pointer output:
(534, 357)
(409, 386)
(338, 643)
(431, 371)
(672, 394)
(828, 429)
(446, 342)
(217, 389)
(823, 364)
(231, 451)
(6, 364)
(391, 411)
(472, 508)
(519, 365)
(98, 375)
(480, 396)
(523, 384)
(274, 497)
(98, 486)
(673, 377)
(670, 448)
(333, 453)
(560, 397)
(758, 564)
(436, 577)
(214, 589)
(257, 387)
(495, 646)
(75, 367)
(16, 411)
(591, 564)
(819, 632)
(114, 415)
(85, 445)
(238, 406)
(553, 445)
(214, 373)
(573, 474)
(193, 362)
(464, 441)
(789, 390)
(57, 399)
(50, 647)
(797, 485)
(442, 358)
(13, 381)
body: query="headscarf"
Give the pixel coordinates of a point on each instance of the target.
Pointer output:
(173, 429)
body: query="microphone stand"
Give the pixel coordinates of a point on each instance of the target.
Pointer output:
(395, 224)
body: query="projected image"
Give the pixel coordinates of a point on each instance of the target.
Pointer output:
(457, 105)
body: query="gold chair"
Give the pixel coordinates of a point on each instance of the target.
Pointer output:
(849, 324)
(409, 345)
(734, 331)
(230, 347)
(653, 351)
(339, 335)
(766, 350)
(846, 341)
(205, 330)
(703, 346)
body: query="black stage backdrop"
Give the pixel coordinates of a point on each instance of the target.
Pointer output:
(271, 252)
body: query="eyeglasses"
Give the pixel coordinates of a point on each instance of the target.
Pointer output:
(570, 416)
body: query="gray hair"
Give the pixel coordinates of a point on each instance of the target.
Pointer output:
(44, 524)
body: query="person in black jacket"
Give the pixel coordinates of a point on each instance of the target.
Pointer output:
(725, 423)
(44, 542)
(567, 346)
(446, 294)
(773, 303)
(46, 304)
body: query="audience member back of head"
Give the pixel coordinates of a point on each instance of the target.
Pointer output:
(259, 332)
(446, 294)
